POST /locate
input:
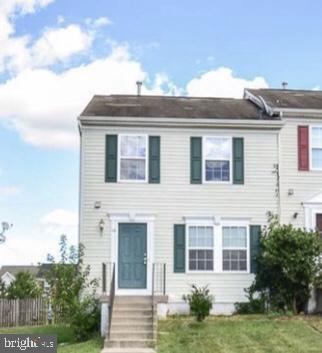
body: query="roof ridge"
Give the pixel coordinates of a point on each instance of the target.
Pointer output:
(291, 90)
(168, 97)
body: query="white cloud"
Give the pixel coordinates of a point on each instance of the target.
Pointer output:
(9, 191)
(221, 82)
(60, 222)
(43, 105)
(25, 246)
(13, 49)
(60, 19)
(98, 22)
(58, 44)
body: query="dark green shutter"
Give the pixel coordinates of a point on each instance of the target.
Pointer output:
(196, 160)
(255, 232)
(238, 160)
(154, 159)
(111, 159)
(179, 261)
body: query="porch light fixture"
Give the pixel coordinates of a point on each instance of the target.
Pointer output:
(101, 225)
(97, 204)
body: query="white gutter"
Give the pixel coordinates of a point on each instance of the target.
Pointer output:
(180, 122)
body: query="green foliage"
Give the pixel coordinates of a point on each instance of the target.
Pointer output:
(69, 280)
(85, 319)
(24, 286)
(254, 305)
(289, 265)
(200, 302)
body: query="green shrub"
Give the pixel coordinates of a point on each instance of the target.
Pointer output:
(85, 319)
(24, 286)
(252, 306)
(288, 266)
(200, 302)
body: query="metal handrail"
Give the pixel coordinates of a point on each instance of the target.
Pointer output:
(153, 270)
(104, 277)
(160, 278)
(111, 301)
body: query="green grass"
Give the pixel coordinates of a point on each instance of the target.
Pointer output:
(65, 339)
(236, 334)
(241, 334)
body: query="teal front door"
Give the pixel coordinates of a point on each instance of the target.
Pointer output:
(132, 256)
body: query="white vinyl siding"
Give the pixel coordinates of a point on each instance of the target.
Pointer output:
(175, 198)
(296, 187)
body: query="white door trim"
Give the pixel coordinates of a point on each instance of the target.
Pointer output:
(132, 217)
(311, 209)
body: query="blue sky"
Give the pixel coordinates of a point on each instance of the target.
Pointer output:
(57, 53)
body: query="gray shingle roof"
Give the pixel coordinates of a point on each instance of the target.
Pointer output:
(286, 98)
(172, 107)
(15, 269)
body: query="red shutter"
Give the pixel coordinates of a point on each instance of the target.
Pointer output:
(319, 222)
(303, 147)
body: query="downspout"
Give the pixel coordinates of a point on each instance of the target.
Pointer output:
(279, 159)
(80, 181)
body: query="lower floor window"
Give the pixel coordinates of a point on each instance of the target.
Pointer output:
(234, 248)
(234, 260)
(201, 248)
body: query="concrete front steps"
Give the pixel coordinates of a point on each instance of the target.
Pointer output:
(132, 329)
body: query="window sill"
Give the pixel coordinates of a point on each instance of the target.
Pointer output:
(218, 273)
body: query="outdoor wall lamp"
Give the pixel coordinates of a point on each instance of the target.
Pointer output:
(101, 225)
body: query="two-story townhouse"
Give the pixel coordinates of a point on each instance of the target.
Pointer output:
(300, 157)
(300, 152)
(174, 191)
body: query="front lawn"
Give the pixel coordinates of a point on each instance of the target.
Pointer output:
(241, 334)
(236, 334)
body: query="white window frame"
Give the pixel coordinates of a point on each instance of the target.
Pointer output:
(235, 223)
(204, 138)
(217, 223)
(200, 222)
(145, 180)
(312, 147)
(200, 248)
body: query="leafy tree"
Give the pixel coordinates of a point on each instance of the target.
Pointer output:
(24, 286)
(289, 265)
(72, 292)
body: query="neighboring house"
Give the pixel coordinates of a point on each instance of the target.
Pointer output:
(174, 190)
(8, 273)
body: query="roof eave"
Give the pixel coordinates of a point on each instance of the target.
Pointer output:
(179, 122)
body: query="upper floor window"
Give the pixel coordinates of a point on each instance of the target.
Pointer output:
(217, 159)
(201, 248)
(234, 245)
(316, 147)
(133, 158)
